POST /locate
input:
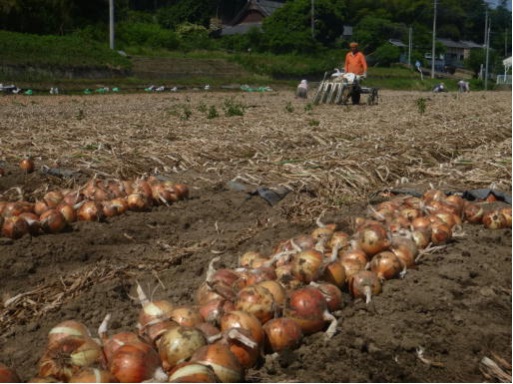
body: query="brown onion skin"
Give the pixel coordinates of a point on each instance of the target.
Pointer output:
(116, 341)
(179, 344)
(306, 306)
(221, 360)
(15, 227)
(506, 212)
(373, 239)
(386, 265)
(90, 211)
(131, 364)
(494, 220)
(241, 319)
(8, 375)
(256, 300)
(212, 310)
(332, 294)
(473, 212)
(68, 328)
(52, 221)
(246, 355)
(306, 265)
(363, 279)
(33, 221)
(187, 316)
(27, 165)
(282, 334)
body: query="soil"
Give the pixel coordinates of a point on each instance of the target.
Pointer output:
(335, 160)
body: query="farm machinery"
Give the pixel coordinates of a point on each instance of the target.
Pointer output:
(340, 87)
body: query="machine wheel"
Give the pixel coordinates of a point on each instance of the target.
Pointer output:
(355, 96)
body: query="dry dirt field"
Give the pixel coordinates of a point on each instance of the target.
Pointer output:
(335, 160)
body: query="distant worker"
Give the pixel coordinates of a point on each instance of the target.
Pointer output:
(355, 63)
(439, 88)
(302, 89)
(463, 86)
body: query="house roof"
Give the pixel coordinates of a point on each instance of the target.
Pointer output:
(265, 7)
(464, 44)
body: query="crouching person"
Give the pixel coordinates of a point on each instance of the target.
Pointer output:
(302, 89)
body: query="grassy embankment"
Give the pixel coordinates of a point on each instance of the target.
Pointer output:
(42, 54)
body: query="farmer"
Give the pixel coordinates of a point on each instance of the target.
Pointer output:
(439, 88)
(463, 86)
(302, 89)
(355, 63)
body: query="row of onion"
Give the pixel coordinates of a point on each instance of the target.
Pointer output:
(268, 303)
(97, 200)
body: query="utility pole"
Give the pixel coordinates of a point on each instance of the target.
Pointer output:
(487, 54)
(111, 24)
(410, 45)
(433, 59)
(312, 19)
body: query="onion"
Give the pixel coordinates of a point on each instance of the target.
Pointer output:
(494, 220)
(506, 212)
(92, 375)
(351, 266)
(27, 165)
(133, 364)
(245, 320)
(243, 347)
(178, 344)
(53, 198)
(212, 310)
(221, 360)
(208, 329)
(304, 242)
(306, 265)
(153, 312)
(138, 202)
(405, 249)
(282, 334)
(39, 207)
(182, 191)
(422, 237)
(90, 211)
(473, 212)
(449, 218)
(332, 294)
(457, 202)
(186, 316)
(334, 273)
(192, 373)
(113, 343)
(364, 284)
(277, 291)
(73, 198)
(372, 239)
(68, 212)
(252, 259)
(8, 375)
(339, 240)
(52, 221)
(65, 357)
(15, 227)
(33, 221)
(433, 195)
(256, 300)
(307, 306)
(386, 265)
(410, 213)
(68, 328)
(441, 233)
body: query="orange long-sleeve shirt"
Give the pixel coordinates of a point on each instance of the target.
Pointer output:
(355, 63)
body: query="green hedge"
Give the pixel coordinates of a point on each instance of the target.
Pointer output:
(63, 51)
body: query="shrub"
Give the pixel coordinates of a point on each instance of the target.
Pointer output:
(147, 34)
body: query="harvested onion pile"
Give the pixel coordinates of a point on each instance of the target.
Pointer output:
(267, 304)
(95, 201)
